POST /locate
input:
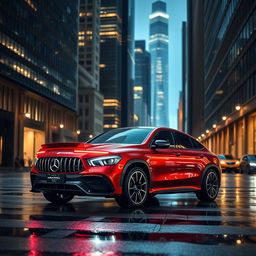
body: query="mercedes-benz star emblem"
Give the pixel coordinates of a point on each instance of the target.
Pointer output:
(54, 165)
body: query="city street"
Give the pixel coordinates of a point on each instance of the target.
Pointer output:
(175, 224)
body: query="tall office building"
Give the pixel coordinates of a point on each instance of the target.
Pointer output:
(90, 104)
(193, 59)
(229, 65)
(158, 45)
(142, 85)
(38, 76)
(116, 61)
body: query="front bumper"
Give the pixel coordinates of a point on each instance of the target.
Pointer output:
(77, 184)
(230, 166)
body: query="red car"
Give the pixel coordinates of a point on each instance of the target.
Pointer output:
(129, 164)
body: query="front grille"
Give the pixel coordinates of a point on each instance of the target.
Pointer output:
(59, 164)
(230, 163)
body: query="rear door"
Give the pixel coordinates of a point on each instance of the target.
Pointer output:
(191, 160)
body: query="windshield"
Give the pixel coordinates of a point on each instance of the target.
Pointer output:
(123, 136)
(226, 157)
(252, 157)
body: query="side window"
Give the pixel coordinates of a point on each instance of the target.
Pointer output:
(183, 141)
(196, 144)
(165, 135)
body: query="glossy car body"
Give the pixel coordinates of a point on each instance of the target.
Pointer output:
(229, 163)
(173, 169)
(248, 164)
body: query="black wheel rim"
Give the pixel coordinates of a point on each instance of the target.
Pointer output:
(212, 184)
(137, 187)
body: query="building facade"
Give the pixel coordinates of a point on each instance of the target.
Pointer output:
(158, 45)
(38, 77)
(90, 104)
(116, 61)
(229, 29)
(142, 86)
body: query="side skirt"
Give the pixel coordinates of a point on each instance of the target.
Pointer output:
(175, 190)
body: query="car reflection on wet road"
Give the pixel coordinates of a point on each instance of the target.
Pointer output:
(175, 224)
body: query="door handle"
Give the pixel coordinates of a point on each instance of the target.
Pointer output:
(177, 154)
(201, 155)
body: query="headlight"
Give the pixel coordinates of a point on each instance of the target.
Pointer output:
(222, 162)
(237, 162)
(35, 161)
(252, 164)
(104, 160)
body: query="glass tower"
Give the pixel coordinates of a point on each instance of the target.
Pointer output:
(158, 46)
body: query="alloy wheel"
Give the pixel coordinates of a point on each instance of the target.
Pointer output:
(137, 187)
(212, 184)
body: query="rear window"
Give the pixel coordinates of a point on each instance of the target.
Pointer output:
(182, 140)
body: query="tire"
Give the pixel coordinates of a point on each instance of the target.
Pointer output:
(58, 198)
(135, 189)
(247, 170)
(210, 186)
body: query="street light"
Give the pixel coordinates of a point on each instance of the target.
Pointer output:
(238, 107)
(214, 126)
(61, 126)
(78, 132)
(90, 136)
(202, 134)
(224, 118)
(27, 115)
(207, 131)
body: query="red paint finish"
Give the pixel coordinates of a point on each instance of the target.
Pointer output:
(172, 168)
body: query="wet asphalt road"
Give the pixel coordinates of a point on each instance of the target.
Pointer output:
(175, 224)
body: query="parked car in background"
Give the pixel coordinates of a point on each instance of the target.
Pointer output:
(229, 163)
(248, 164)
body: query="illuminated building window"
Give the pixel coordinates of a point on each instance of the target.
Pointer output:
(82, 14)
(107, 15)
(81, 44)
(138, 88)
(110, 126)
(138, 50)
(102, 65)
(112, 103)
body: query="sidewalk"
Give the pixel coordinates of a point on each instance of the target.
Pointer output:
(14, 169)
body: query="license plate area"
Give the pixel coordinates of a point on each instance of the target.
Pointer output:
(55, 178)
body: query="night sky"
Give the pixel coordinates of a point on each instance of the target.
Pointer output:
(178, 13)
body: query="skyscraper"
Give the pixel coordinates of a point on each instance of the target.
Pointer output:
(38, 76)
(90, 120)
(142, 85)
(158, 45)
(116, 61)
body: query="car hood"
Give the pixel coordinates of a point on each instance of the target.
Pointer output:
(87, 149)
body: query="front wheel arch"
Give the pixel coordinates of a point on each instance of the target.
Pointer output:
(132, 163)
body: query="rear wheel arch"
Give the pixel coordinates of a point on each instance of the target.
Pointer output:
(139, 163)
(213, 167)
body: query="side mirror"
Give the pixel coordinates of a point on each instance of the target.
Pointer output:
(161, 144)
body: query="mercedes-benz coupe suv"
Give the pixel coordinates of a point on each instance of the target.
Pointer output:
(129, 164)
